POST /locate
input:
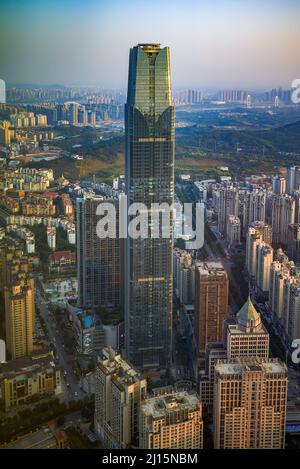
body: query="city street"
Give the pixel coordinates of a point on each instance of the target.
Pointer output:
(71, 387)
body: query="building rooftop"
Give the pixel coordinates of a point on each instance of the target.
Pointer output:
(111, 362)
(161, 406)
(211, 268)
(26, 365)
(44, 438)
(244, 365)
(150, 45)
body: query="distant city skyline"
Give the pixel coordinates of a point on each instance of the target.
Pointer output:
(228, 44)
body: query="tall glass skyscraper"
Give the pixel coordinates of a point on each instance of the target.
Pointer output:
(149, 125)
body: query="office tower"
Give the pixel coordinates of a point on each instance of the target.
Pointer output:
(250, 398)
(19, 317)
(149, 136)
(233, 230)
(264, 256)
(244, 337)
(171, 421)
(264, 229)
(282, 215)
(248, 337)
(293, 243)
(278, 185)
(211, 305)
(119, 390)
(98, 259)
(228, 204)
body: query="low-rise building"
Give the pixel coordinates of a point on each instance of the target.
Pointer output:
(25, 378)
(61, 261)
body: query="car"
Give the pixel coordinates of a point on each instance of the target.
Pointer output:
(75, 393)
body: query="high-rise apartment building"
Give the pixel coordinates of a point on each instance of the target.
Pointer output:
(254, 238)
(264, 229)
(282, 215)
(17, 288)
(291, 307)
(19, 317)
(250, 398)
(5, 136)
(253, 208)
(264, 256)
(293, 179)
(233, 230)
(211, 305)
(171, 421)
(98, 259)
(227, 198)
(281, 271)
(149, 129)
(234, 96)
(296, 186)
(278, 185)
(293, 243)
(119, 390)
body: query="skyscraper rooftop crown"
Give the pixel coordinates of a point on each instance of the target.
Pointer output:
(248, 317)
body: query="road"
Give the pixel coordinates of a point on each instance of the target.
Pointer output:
(72, 391)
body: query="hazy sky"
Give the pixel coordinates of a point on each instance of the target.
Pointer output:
(214, 43)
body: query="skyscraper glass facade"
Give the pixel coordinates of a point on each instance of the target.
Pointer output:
(149, 127)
